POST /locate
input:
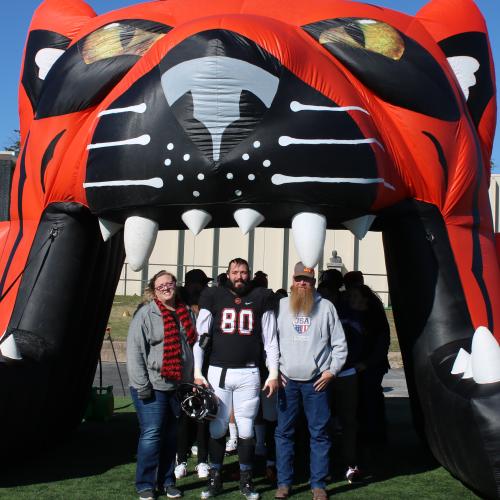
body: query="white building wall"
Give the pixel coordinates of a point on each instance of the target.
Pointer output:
(270, 250)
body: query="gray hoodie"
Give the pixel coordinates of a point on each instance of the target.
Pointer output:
(145, 351)
(309, 345)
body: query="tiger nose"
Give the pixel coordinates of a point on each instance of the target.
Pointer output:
(216, 84)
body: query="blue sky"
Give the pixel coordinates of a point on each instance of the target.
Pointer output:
(16, 18)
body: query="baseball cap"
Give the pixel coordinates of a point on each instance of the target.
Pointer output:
(301, 270)
(196, 276)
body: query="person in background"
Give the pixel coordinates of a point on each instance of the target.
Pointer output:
(329, 285)
(373, 363)
(260, 279)
(232, 441)
(222, 279)
(189, 430)
(353, 278)
(194, 282)
(264, 427)
(313, 350)
(159, 357)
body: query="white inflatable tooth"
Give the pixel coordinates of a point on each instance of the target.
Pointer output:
(359, 226)
(461, 362)
(108, 228)
(485, 357)
(468, 370)
(309, 231)
(9, 349)
(139, 238)
(196, 220)
(248, 219)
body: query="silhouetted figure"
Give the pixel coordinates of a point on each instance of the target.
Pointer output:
(362, 307)
(329, 285)
(190, 431)
(353, 278)
(260, 279)
(222, 279)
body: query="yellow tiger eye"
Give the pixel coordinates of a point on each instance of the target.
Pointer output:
(383, 39)
(117, 40)
(378, 37)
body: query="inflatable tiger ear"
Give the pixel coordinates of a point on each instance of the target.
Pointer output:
(220, 114)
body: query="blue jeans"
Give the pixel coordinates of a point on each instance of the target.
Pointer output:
(157, 442)
(317, 412)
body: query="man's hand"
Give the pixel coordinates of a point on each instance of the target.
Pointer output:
(201, 381)
(323, 381)
(271, 386)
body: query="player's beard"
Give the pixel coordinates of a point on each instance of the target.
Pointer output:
(243, 290)
(301, 300)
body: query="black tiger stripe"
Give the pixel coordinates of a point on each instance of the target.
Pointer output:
(20, 189)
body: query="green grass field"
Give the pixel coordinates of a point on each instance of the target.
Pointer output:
(98, 462)
(125, 305)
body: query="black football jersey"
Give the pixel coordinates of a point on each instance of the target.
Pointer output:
(236, 325)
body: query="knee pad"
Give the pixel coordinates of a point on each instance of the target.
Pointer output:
(245, 428)
(218, 428)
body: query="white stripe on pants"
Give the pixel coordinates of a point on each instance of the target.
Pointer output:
(241, 390)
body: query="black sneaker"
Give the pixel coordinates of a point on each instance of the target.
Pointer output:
(214, 484)
(173, 492)
(246, 485)
(146, 495)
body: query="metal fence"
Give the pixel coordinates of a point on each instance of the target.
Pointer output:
(129, 279)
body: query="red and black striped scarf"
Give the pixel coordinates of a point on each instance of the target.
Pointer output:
(171, 367)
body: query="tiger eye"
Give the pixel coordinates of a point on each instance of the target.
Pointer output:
(117, 40)
(369, 35)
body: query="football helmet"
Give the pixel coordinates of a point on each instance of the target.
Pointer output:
(197, 401)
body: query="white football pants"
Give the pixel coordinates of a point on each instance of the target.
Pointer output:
(241, 393)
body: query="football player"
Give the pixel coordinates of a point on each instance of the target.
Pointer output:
(238, 320)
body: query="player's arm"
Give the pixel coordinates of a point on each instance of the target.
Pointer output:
(270, 339)
(203, 326)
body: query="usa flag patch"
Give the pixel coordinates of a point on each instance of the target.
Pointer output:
(302, 324)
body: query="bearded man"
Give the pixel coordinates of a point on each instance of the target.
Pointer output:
(313, 350)
(239, 318)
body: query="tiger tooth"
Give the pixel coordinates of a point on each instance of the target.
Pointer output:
(485, 357)
(8, 348)
(461, 362)
(468, 370)
(309, 232)
(108, 228)
(139, 238)
(248, 219)
(196, 220)
(359, 226)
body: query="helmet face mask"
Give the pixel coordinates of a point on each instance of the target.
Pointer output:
(197, 402)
